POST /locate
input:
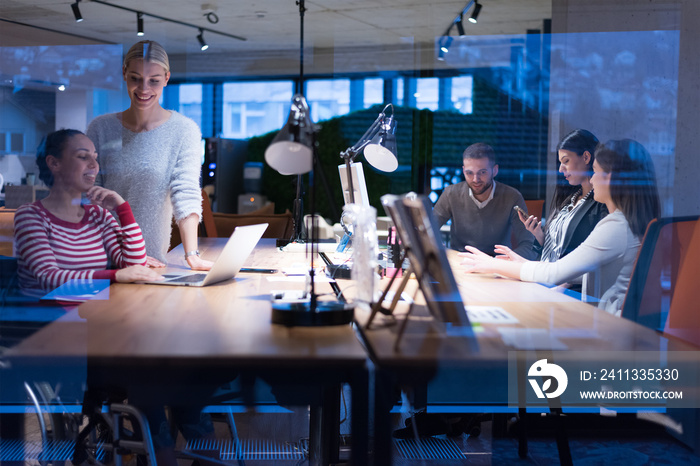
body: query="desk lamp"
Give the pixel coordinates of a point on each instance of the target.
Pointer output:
(379, 144)
(292, 152)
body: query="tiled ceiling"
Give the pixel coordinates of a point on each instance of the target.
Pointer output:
(267, 24)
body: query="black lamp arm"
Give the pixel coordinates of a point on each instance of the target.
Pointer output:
(351, 152)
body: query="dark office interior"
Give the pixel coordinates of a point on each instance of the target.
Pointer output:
(519, 77)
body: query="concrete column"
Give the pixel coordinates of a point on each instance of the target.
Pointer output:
(686, 200)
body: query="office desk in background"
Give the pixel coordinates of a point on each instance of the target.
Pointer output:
(169, 335)
(471, 374)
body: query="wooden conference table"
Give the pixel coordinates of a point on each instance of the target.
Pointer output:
(171, 337)
(167, 336)
(463, 371)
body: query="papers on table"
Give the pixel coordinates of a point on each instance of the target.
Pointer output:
(489, 315)
(519, 338)
(77, 291)
(530, 338)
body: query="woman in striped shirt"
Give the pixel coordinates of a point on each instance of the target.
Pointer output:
(59, 238)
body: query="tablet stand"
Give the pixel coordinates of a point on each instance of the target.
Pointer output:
(377, 307)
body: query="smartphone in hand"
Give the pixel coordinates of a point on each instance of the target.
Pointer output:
(518, 209)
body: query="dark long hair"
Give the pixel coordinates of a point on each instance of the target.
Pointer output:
(632, 181)
(52, 144)
(578, 141)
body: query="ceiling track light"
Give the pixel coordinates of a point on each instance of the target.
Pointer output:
(475, 12)
(139, 24)
(460, 26)
(202, 43)
(211, 18)
(458, 21)
(76, 11)
(445, 43)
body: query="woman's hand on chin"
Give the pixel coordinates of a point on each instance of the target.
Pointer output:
(197, 263)
(476, 261)
(105, 198)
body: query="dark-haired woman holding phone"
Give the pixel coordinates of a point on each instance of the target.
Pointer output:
(574, 211)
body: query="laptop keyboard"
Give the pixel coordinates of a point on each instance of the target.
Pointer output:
(195, 278)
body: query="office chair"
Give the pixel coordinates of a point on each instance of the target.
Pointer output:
(655, 274)
(535, 207)
(683, 318)
(684, 323)
(208, 217)
(221, 225)
(280, 225)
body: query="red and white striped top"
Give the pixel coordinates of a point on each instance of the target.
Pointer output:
(52, 251)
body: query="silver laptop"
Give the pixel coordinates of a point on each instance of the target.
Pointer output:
(227, 265)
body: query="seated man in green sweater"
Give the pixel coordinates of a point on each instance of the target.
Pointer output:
(482, 210)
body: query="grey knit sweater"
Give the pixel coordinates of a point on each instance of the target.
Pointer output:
(484, 228)
(156, 171)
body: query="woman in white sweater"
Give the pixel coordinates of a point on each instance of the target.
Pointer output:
(623, 179)
(153, 157)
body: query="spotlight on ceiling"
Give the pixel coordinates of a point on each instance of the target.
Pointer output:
(202, 43)
(139, 24)
(444, 47)
(76, 11)
(475, 12)
(460, 26)
(445, 43)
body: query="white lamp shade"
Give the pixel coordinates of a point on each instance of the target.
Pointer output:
(381, 158)
(381, 151)
(289, 158)
(291, 151)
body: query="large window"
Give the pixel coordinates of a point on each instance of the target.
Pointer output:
(462, 88)
(191, 101)
(374, 92)
(328, 98)
(255, 108)
(427, 95)
(398, 91)
(11, 142)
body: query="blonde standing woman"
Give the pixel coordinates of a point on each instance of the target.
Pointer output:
(152, 157)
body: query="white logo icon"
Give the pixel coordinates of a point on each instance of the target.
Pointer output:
(549, 372)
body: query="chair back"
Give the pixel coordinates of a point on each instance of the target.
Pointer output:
(7, 228)
(208, 223)
(535, 207)
(684, 314)
(280, 225)
(655, 274)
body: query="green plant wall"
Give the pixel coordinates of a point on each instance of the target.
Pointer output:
(425, 139)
